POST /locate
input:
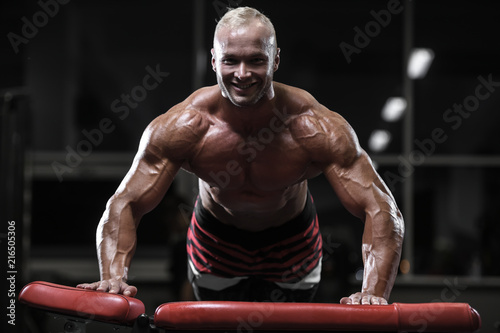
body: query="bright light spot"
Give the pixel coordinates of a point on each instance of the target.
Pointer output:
(379, 140)
(419, 63)
(404, 266)
(393, 109)
(359, 274)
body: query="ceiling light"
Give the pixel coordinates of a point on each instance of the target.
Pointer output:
(379, 140)
(393, 109)
(419, 62)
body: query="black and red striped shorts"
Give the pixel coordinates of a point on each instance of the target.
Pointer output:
(288, 255)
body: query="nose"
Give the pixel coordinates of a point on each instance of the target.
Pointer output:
(242, 71)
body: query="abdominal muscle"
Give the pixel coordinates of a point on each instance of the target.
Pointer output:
(253, 209)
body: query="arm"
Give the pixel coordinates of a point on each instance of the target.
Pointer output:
(364, 194)
(162, 150)
(335, 149)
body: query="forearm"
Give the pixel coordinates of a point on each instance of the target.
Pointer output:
(381, 250)
(116, 240)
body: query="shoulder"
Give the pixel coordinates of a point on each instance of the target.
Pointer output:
(325, 134)
(295, 99)
(177, 131)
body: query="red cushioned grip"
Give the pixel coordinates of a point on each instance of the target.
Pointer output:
(438, 317)
(397, 317)
(90, 304)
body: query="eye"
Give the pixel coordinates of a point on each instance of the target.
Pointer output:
(258, 60)
(229, 61)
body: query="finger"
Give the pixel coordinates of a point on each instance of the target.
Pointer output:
(130, 291)
(355, 299)
(366, 300)
(85, 286)
(88, 286)
(345, 300)
(378, 301)
(114, 287)
(102, 286)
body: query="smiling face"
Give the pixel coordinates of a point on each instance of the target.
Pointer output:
(245, 59)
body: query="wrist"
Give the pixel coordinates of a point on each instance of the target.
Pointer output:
(117, 274)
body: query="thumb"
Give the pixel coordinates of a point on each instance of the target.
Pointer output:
(130, 291)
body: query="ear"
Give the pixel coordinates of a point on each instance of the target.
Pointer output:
(277, 59)
(213, 60)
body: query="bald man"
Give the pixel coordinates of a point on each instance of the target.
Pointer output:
(253, 143)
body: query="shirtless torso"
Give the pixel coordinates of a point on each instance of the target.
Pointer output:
(253, 143)
(253, 174)
(253, 168)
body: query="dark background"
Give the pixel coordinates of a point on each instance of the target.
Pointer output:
(87, 54)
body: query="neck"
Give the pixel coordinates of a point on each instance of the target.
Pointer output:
(250, 118)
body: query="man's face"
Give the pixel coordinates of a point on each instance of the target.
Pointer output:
(245, 61)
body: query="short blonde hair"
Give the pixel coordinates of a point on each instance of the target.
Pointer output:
(242, 16)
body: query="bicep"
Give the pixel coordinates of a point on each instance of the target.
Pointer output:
(150, 175)
(166, 144)
(146, 183)
(351, 173)
(358, 186)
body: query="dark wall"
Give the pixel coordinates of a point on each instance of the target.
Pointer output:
(84, 62)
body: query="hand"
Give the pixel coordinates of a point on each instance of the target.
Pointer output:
(363, 298)
(112, 286)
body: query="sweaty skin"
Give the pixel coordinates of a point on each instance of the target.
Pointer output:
(253, 143)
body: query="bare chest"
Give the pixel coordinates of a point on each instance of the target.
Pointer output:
(267, 160)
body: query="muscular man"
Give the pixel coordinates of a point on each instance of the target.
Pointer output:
(253, 143)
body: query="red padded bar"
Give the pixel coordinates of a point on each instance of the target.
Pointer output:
(438, 317)
(90, 304)
(397, 317)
